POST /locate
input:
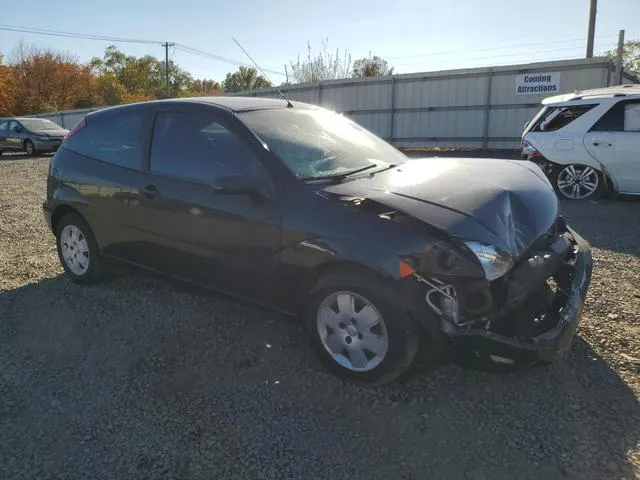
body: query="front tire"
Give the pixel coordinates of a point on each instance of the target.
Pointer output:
(359, 328)
(578, 182)
(78, 250)
(29, 148)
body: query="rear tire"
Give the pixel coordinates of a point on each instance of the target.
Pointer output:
(78, 250)
(373, 345)
(29, 148)
(577, 182)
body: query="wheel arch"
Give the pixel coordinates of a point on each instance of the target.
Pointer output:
(611, 186)
(60, 211)
(427, 323)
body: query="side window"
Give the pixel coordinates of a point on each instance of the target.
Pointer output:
(196, 147)
(4, 124)
(558, 117)
(612, 120)
(13, 126)
(632, 117)
(116, 140)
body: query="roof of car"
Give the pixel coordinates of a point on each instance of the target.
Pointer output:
(234, 104)
(22, 118)
(606, 92)
(239, 104)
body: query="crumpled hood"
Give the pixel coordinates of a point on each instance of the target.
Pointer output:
(504, 203)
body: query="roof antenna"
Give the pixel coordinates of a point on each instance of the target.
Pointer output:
(289, 104)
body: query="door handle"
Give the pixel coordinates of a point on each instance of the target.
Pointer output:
(595, 144)
(151, 191)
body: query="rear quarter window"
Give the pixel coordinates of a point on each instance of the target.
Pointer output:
(624, 116)
(556, 118)
(116, 140)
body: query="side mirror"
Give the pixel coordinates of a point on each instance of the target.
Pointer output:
(237, 185)
(17, 129)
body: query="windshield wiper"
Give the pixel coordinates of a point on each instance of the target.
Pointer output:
(339, 176)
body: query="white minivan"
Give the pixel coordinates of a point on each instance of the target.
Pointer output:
(588, 142)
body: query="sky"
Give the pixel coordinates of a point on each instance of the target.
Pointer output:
(413, 35)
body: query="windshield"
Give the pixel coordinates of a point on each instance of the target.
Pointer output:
(39, 124)
(317, 143)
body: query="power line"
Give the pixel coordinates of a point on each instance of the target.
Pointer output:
(86, 36)
(56, 33)
(505, 46)
(202, 53)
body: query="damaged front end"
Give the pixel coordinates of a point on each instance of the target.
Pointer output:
(530, 313)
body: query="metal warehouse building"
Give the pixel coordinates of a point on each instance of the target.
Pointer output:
(468, 108)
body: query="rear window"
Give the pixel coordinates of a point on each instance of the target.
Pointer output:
(116, 140)
(557, 117)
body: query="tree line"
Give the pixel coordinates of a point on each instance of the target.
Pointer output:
(36, 79)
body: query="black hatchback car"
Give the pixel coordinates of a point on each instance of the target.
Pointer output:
(299, 208)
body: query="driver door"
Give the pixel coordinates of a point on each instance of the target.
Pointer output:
(227, 241)
(14, 136)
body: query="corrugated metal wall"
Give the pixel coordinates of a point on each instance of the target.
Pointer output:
(471, 108)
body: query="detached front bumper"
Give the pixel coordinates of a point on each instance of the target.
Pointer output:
(561, 317)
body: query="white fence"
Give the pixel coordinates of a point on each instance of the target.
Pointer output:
(469, 108)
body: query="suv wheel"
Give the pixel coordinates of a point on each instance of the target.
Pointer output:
(77, 249)
(578, 182)
(359, 328)
(29, 148)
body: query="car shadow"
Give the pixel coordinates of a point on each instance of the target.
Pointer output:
(135, 362)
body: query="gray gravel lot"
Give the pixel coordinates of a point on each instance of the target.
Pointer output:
(142, 378)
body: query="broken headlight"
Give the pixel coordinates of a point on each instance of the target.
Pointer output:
(495, 263)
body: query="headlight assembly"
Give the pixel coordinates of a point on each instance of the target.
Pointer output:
(494, 262)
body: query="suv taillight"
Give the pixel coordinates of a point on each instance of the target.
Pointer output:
(531, 151)
(81, 124)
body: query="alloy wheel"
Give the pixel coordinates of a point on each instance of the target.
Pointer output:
(578, 182)
(75, 249)
(352, 331)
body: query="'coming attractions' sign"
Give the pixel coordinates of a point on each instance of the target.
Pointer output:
(536, 83)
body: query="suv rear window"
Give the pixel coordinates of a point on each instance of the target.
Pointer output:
(116, 140)
(557, 117)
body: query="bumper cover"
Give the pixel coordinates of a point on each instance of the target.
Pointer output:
(47, 145)
(551, 344)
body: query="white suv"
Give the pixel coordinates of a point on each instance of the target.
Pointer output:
(588, 142)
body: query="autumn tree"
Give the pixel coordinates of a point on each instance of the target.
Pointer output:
(203, 88)
(48, 80)
(7, 90)
(371, 67)
(630, 56)
(245, 78)
(142, 78)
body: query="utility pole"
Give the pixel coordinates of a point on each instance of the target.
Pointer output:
(619, 65)
(593, 6)
(166, 46)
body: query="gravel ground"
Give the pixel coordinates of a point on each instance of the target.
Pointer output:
(140, 378)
